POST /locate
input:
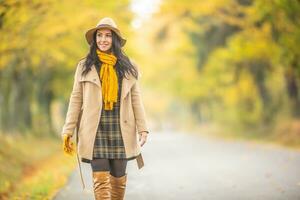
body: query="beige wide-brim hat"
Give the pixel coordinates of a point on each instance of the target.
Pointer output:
(105, 22)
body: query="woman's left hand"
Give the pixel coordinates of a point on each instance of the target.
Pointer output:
(143, 138)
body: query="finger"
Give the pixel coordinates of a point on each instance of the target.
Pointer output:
(67, 149)
(65, 142)
(69, 144)
(73, 147)
(143, 142)
(70, 149)
(70, 152)
(68, 140)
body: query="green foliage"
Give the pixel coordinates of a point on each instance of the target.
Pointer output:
(40, 45)
(236, 61)
(233, 62)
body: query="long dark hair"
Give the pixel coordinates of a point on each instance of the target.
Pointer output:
(123, 65)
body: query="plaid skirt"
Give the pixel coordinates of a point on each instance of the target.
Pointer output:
(109, 142)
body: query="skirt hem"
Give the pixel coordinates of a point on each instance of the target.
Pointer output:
(89, 161)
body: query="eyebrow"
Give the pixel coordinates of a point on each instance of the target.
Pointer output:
(104, 33)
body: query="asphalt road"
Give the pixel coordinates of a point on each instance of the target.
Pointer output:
(192, 167)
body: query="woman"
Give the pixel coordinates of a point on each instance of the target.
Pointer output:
(106, 111)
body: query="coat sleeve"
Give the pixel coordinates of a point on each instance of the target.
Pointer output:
(138, 108)
(75, 104)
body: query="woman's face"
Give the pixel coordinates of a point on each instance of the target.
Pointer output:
(104, 39)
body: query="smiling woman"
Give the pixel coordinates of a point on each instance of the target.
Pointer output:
(106, 110)
(104, 39)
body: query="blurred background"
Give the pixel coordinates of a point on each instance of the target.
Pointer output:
(226, 68)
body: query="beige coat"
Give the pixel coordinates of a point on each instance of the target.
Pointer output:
(84, 113)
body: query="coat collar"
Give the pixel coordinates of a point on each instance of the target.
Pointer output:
(92, 76)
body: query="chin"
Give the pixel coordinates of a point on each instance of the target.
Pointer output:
(104, 49)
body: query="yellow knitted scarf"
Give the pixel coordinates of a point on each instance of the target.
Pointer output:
(108, 76)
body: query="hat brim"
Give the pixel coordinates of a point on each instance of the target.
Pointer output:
(89, 34)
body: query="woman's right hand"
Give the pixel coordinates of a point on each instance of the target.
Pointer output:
(68, 145)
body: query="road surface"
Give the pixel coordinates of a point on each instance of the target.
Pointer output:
(193, 167)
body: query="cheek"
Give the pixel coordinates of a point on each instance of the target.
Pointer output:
(109, 40)
(97, 39)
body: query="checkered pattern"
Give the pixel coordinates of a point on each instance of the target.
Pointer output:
(109, 142)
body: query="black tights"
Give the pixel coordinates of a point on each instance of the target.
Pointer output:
(117, 167)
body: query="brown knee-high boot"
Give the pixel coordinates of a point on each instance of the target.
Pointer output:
(102, 187)
(118, 186)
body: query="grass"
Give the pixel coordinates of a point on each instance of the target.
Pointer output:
(32, 168)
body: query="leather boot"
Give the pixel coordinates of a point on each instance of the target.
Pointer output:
(102, 187)
(118, 186)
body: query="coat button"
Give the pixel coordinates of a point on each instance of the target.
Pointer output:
(125, 121)
(94, 79)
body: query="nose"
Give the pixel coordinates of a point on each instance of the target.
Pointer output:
(102, 38)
